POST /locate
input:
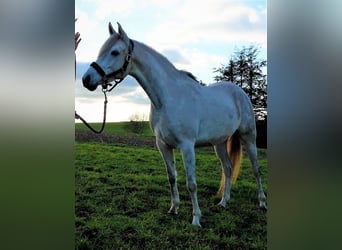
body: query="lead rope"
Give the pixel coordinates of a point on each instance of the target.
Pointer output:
(105, 85)
(77, 116)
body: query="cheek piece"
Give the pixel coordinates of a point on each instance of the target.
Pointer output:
(105, 82)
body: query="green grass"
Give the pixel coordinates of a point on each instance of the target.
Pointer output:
(122, 199)
(117, 128)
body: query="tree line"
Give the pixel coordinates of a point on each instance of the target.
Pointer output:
(246, 70)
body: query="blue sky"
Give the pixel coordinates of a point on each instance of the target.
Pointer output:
(196, 36)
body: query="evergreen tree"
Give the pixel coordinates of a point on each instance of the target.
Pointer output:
(245, 69)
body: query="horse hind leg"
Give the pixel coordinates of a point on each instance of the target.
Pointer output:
(249, 142)
(167, 155)
(221, 152)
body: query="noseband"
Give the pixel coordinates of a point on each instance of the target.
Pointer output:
(105, 82)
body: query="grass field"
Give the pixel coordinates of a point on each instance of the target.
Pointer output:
(117, 128)
(122, 199)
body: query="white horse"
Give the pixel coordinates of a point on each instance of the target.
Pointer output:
(183, 113)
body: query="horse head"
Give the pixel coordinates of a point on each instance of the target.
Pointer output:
(113, 61)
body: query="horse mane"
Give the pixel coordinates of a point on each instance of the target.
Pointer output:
(189, 74)
(164, 60)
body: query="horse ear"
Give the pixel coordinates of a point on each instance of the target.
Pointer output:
(123, 34)
(111, 29)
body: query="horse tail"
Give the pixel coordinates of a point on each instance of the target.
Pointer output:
(234, 150)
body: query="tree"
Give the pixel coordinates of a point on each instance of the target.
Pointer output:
(245, 69)
(136, 123)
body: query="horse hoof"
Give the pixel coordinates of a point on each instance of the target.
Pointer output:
(195, 222)
(173, 211)
(197, 225)
(263, 206)
(221, 204)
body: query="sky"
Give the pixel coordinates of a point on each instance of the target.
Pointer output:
(196, 36)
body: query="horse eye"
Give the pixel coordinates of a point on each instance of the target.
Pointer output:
(115, 53)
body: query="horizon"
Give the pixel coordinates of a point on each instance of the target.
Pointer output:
(189, 42)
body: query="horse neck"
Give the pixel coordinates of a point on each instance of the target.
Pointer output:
(153, 72)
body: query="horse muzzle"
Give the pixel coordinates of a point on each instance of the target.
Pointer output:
(87, 82)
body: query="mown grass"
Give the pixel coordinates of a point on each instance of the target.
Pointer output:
(118, 128)
(122, 199)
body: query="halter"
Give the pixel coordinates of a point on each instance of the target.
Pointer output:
(105, 77)
(105, 83)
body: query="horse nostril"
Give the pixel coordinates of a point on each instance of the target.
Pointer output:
(86, 80)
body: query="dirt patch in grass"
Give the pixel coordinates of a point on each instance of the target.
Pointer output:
(128, 140)
(88, 136)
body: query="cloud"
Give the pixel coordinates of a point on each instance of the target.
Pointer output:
(123, 101)
(201, 61)
(110, 8)
(175, 56)
(138, 96)
(107, 8)
(81, 68)
(191, 21)
(127, 91)
(217, 21)
(93, 34)
(196, 36)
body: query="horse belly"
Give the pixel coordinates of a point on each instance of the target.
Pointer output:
(214, 133)
(220, 119)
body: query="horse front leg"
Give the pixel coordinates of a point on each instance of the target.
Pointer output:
(167, 155)
(188, 155)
